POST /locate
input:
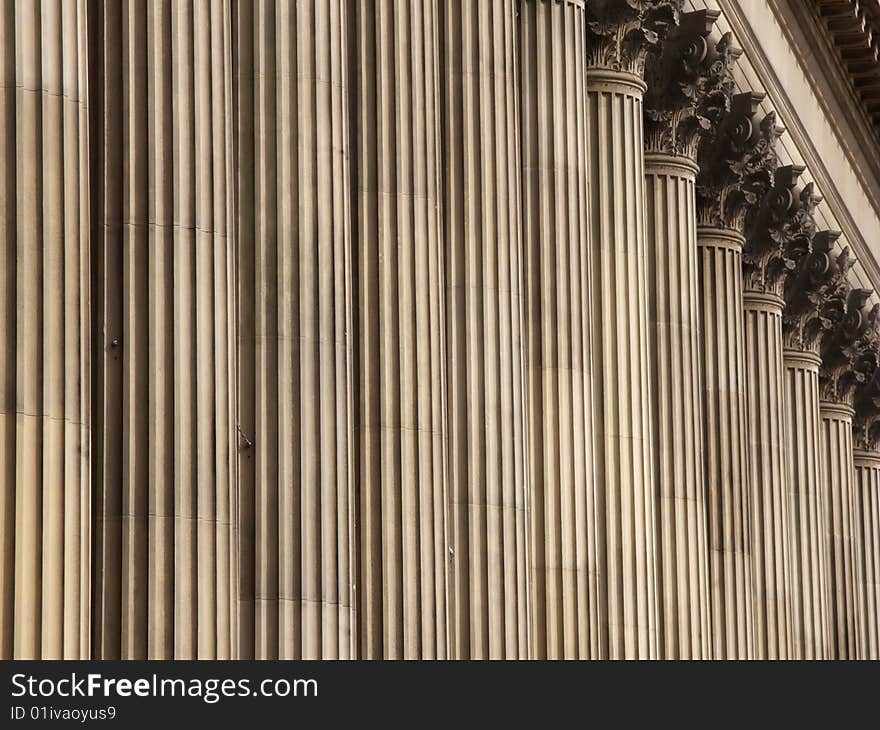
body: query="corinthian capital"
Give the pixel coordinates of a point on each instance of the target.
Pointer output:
(778, 231)
(737, 158)
(620, 32)
(844, 362)
(866, 422)
(806, 291)
(689, 85)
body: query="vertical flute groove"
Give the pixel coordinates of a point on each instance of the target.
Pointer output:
(366, 328)
(163, 266)
(726, 450)
(484, 314)
(769, 502)
(44, 305)
(623, 403)
(400, 323)
(295, 524)
(810, 571)
(556, 268)
(841, 528)
(867, 492)
(677, 424)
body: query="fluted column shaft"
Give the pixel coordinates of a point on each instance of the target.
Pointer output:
(400, 282)
(623, 403)
(726, 447)
(769, 498)
(297, 508)
(557, 301)
(841, 528)
(867, 493)
(484, 312)
(677, 423)
(44, 333)
(808, 553)
(164, 356)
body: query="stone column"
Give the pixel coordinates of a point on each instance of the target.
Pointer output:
(618, 38)
(556, 264)
(484, 313)
(687, 60)
(400, 324)
(803, 321)
(867, 488)
(866, 497)
(164, 443)
(734, 142)
(843, 367)
(726, 450)
(809, 561)
(767, 474)
(677, 423)
(775, 230)
(837, 481)
(297, 503)
(45, 507)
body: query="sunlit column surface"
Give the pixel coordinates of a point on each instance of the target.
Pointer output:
(556, 263)
(164, 328)
(736, 159)
(489, 611)
(400, 284)
(296, 543)
(45, 508)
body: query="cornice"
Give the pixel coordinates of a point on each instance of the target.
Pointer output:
(852, 28)
(802, 140)
(861, 142)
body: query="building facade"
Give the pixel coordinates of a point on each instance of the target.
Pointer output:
(440, 329)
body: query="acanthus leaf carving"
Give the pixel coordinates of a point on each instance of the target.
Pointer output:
(866, 421)
(621, 32)
(689, 85)
(737, 158)
(816, 272)
(778, 231)
(844, 363)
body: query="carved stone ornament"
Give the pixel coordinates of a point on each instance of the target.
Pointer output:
(778, 231)
(620, 32)
(866, 422)
(845, 365)
(816, 273)
(689, 85)
(737, 158)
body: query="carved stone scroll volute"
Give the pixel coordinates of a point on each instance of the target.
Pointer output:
(815, 271)
(621, 32)
(737, 158)
(866, 422)
(844, 361)
(689, 85)
(778, 232)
